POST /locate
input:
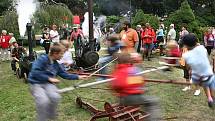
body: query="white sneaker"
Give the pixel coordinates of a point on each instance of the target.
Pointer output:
(197, 92)
(186, 88)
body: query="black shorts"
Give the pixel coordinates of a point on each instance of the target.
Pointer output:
(160, 39)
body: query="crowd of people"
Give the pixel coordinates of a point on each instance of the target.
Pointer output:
(130, 47)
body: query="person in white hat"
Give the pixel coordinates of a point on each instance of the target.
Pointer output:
(172, 33)
(4, 39)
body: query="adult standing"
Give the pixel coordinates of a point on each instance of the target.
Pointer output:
(182, 33)
(54, 35)
(11, 41)
(129, 37)
(172, 33)
(64, 32)
(209, 39)
(160, 38)
(139, 32)
(76, 39)
(148, 35)
(46, 37)
(5, 54)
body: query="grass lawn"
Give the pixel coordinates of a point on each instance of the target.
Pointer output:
(17, 104)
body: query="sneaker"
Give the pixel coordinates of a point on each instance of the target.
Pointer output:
(210, 104)
(186, 88)
(197, 92)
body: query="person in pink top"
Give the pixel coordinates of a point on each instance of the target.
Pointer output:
(76, 38)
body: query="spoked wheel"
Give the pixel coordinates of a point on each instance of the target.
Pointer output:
(91, 58)
(25, 78)
(18, 71)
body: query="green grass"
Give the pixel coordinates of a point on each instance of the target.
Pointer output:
(17, 104)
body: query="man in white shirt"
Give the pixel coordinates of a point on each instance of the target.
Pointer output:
(172, 33)
(54, 35)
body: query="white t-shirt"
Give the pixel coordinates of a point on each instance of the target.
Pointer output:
(67, 58)
(197, 59)
(55, 35)
(172, 34)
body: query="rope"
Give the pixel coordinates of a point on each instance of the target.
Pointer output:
(81, 82)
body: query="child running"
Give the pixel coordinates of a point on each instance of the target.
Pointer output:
(129, 86)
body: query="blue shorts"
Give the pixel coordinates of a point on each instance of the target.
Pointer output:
(210, 83)
(148, 46)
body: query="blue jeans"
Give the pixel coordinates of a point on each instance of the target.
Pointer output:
(46, 99)
(102, 62)
(148, 46)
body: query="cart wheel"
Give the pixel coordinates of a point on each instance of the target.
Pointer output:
(25, 78)
(79, 102)
(108, 107)
(91, 58)
(19, 73)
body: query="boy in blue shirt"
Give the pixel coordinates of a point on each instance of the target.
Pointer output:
(42, 79)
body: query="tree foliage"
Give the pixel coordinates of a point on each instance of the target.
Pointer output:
(9, 22)
(184, 16)
(4, 6)
(141, 18)
(204, 9)
(53, 14)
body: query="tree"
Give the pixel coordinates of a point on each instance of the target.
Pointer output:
(184, 17)
(4, 6)
(77, 7)
(204, 11)
(9, 22)
(141, 18)
(52, 14)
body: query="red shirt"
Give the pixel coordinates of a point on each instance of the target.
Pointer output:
(174, 52)
(4, 40)
(209, 39)
(126, 82)
(148, 35)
